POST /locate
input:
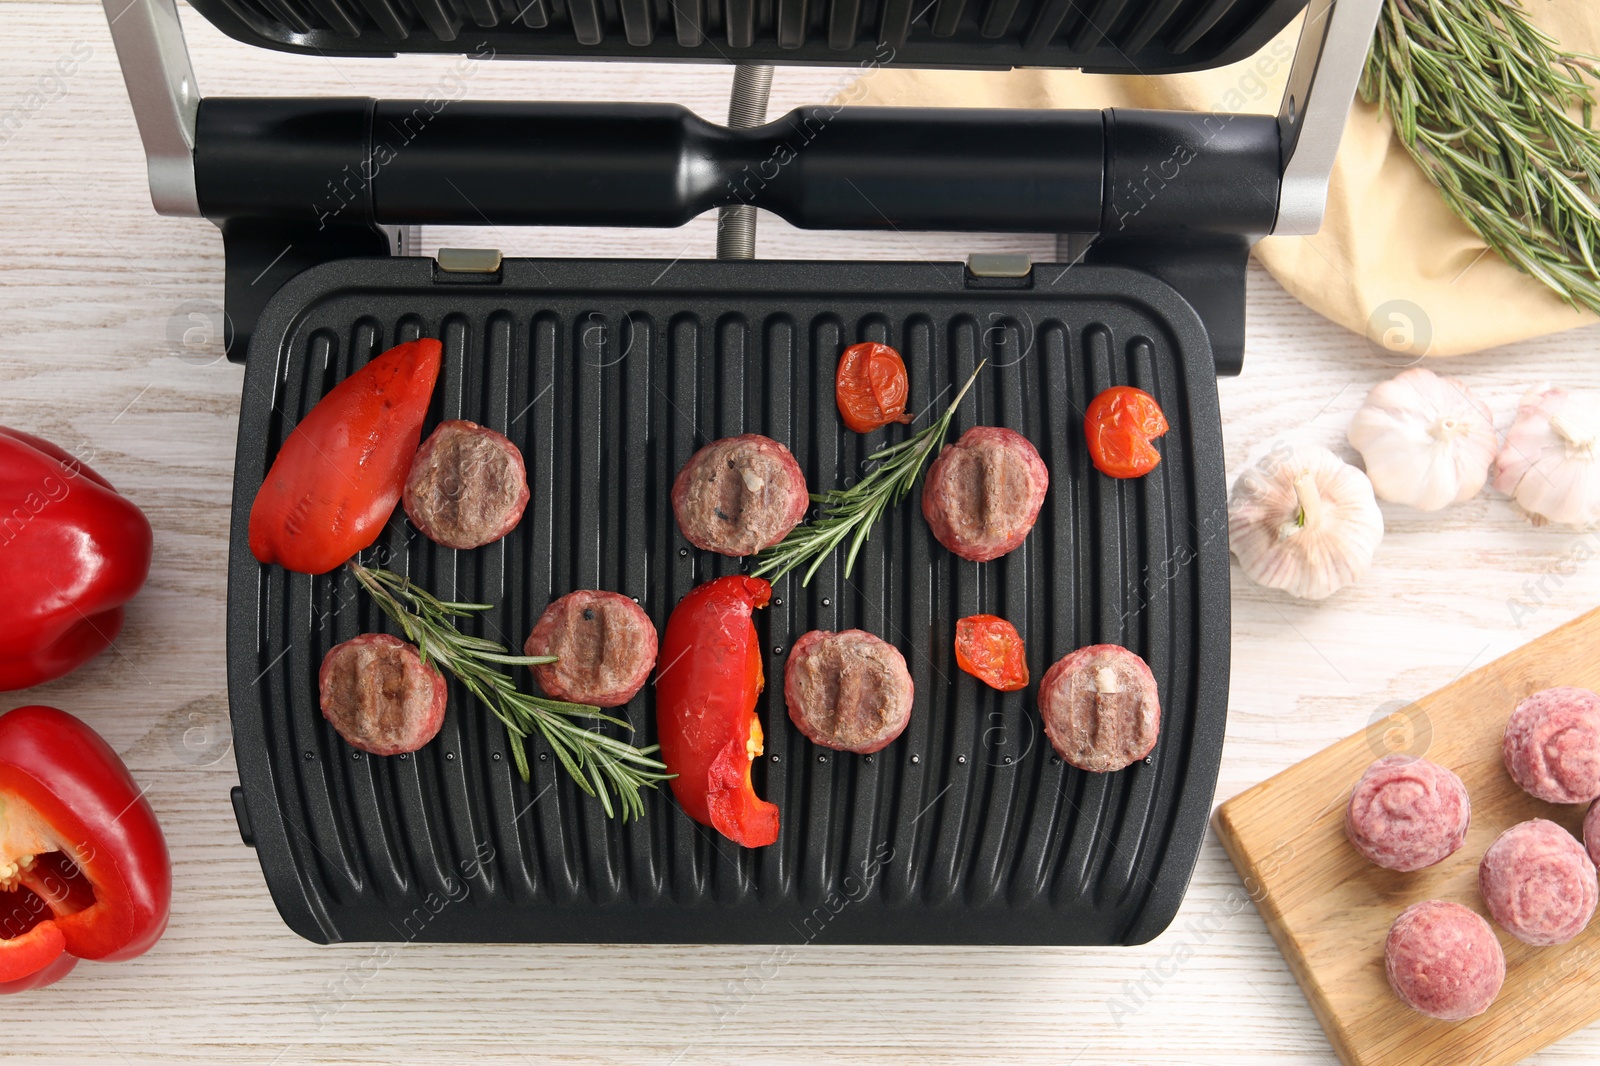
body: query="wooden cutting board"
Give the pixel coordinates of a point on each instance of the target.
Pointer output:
(1329, 909)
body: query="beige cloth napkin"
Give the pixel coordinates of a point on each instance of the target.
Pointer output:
(1391, 261)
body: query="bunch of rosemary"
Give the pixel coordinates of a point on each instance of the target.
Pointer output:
(599, 764)
(1497, 116)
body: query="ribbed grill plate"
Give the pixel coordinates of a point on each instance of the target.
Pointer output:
(1104, 36)
(608, 375)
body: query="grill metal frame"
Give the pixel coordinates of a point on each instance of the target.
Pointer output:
(1322, 80)
(418, 848)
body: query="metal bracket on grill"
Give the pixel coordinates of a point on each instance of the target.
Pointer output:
(1322, 82)
(155, 66)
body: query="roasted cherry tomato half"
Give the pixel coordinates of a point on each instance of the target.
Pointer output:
(990, 649)
(871, 387)
(1120, 424)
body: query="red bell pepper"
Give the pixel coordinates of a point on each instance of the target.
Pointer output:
(84, 871)
(337, 478)
(706, 718)
(72, 552)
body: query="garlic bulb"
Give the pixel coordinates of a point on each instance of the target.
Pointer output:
(1305, 521)
(1549, 463)
(1427, 440)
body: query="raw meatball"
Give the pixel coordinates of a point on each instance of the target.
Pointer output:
(606, 644)
(738, 495)
(1552, 745)
(1539, 883)
(1100, 708)
(1407, 813)
(1591, 833)
(849, 690)
(1443, 960)
(467, 486)
(380, 696)
(983, 493)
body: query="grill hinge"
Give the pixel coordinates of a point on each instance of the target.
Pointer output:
(161, 85)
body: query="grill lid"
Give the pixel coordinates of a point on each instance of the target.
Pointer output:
(1103, 36)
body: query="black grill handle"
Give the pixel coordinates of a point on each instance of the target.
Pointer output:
(398, 162)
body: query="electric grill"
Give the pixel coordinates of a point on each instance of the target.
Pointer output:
(608, 374)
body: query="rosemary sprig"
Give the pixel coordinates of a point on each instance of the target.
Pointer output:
(852, 512)
(1497, 116)
(599, 764)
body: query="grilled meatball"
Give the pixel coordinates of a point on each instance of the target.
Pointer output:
(1100, 708)
(849, 690)
(467, 486)
(1407, 813)
(380, 696)
(740, 494)
(1552, 745)
(1538, 883)
(1443, 960)
(606, 644)
(983, 493)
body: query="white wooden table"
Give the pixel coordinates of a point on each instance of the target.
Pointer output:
(95, 297)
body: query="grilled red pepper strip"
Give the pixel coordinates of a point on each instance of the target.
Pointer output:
(82, 860)
(72, 552)
(706, 720)
(337, 478)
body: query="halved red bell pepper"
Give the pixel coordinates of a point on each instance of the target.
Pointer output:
(84, 870)
(706, 691)
(335, 481)
(72, 552)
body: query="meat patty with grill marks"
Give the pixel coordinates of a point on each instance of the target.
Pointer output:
(606, 646)
(739, 495)
(1100, 708)
(380, 696)
(983, 493)
(849, 690)
(467, 486)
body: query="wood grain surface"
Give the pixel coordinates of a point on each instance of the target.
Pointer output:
(106, 343)
(1330, 909)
